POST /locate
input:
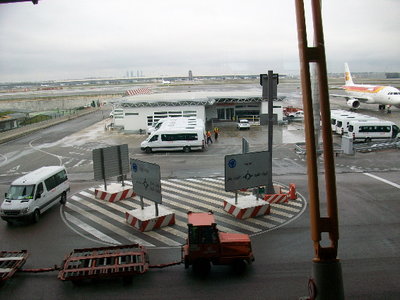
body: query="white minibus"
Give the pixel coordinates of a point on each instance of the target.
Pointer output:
(173, 139)
(375, 129)
(34, 193)
(342, 122)
(335, 114)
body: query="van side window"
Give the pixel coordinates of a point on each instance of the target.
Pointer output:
(61, 177)
(39, 189)
(55, 180)
(50, 183)
(154, 138)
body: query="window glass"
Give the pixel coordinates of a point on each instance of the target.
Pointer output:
(19, 192)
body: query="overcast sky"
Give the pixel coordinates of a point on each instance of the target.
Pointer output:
(66, 39)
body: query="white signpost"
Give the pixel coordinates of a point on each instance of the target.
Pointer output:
(246, 170)
(146, 180)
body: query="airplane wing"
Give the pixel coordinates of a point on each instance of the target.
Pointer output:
(361, 99)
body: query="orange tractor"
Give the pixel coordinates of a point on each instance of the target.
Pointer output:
(206, 244)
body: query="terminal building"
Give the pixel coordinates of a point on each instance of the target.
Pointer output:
(136, 113)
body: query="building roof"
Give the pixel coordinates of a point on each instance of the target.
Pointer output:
(187, 99)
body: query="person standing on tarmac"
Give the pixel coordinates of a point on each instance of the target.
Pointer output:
(216, 132)
(209, 137)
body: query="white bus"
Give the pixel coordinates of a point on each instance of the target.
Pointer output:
(34, 193)
(175, 139)
(342, 122)
(375, 129)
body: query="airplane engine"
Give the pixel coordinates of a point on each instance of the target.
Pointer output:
(353, 103)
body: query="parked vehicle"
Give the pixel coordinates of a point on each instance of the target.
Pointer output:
(297, 114)
(175, 139)
(375, 129)
(32, 194)
(243, 124)
(206, 244)
(337, 114)
(156, 125)
(342, 122)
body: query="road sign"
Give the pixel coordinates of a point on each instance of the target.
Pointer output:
(146, 180)
(110, 161)
(246, 170)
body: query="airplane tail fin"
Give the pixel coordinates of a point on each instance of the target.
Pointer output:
(347, 75)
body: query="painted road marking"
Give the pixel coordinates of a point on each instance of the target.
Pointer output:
(383, 180)
(93, 231)
(96, 218)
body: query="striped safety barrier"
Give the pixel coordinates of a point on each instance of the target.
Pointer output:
(276, 198)
(283, 196)
(248, 212)
(141, 91)
(114, 196)
(150, 224)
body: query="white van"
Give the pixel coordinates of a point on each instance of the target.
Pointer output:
(173, 139)
(155, 125)
(342, 122)
(34, 193)
(375, 129)
(337, 114)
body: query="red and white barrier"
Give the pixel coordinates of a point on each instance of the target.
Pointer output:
(282, 197)
(140, 91)
(146, 220)
(276, 198)
(246, 207)
(115, 192)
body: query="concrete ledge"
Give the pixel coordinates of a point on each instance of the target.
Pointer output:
(146, 220)
(115, 192)
(247, 207)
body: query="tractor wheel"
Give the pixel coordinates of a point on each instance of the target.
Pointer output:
(201, 267)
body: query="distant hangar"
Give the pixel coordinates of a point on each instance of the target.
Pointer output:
(135, 113)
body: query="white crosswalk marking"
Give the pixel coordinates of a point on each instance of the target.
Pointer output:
(97, 217)
(93, 231)
(112, 227)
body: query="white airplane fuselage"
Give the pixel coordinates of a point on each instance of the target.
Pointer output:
(374, 94)
(384, 96)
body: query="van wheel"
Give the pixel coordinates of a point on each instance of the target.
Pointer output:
(148, 150)
(63, 199)
(186, 149)
(36, 216)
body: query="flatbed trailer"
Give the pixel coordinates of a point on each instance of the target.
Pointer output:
(10, 262)
(104, 262)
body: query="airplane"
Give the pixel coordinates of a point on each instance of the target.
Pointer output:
(384, 96)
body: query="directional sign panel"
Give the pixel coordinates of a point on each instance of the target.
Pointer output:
(246, 170)
(110, 161)
(146, 180)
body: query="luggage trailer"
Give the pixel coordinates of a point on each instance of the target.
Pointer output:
(104, 262)
(10, 262)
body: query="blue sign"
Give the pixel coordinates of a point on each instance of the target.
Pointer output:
(232, 163)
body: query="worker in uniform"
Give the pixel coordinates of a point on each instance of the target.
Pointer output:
(209, 137)
(216, 133)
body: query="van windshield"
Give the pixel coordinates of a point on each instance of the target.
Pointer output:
(19, 192)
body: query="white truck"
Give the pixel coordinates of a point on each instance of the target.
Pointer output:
(32, 194)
